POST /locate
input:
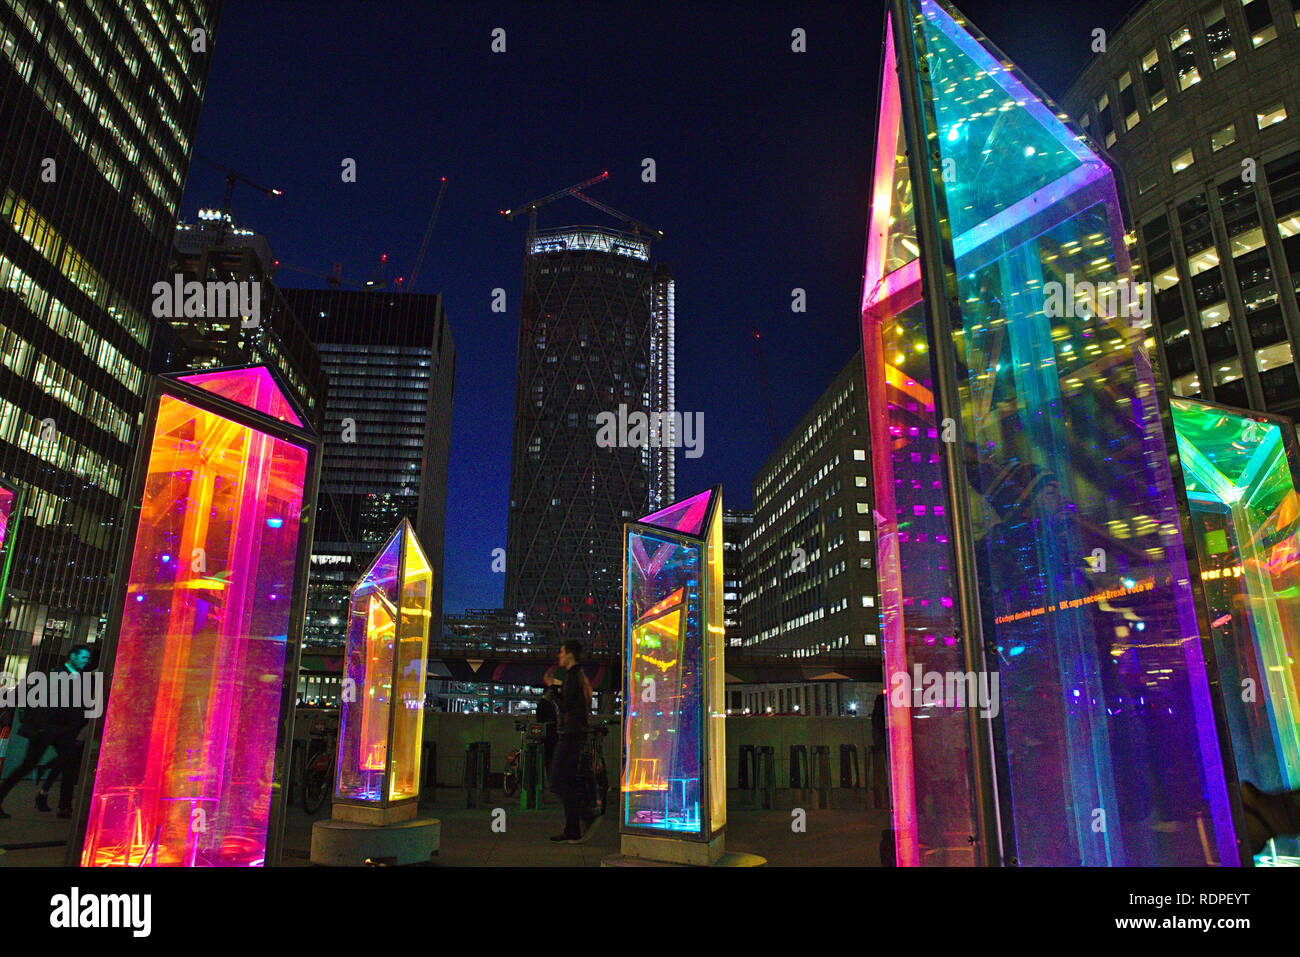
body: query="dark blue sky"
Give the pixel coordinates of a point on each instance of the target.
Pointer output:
(763, 158)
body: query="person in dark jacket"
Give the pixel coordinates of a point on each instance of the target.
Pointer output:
(53, 727)
(570, 773)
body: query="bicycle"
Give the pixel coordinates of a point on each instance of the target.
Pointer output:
(513, 777)
(318, 776)
(596, 735)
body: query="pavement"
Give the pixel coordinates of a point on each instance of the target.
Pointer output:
(833, 837)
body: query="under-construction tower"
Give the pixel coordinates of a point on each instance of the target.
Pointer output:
(595, 336)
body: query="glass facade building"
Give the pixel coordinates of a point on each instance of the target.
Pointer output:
(99, 102)
(391, 367)
(189, 762)
(595, 336)
(674, 747)
(1049, 690)
(1239, 470)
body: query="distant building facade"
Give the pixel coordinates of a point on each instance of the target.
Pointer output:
(736, 527)
(391, 367)
(595, 336)
(1198, 104)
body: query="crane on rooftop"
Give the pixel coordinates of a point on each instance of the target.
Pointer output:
(576, 190)
(234, 177)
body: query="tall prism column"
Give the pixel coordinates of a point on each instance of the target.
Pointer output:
(674, 806)
(189, 763)
(1240, 472)
(1049, 680)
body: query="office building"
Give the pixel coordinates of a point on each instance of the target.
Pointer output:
(596, 336)
(1198, 105)
(391, 369)
(98, 106)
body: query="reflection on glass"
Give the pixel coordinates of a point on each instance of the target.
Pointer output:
(1240, 476)
(186, 762)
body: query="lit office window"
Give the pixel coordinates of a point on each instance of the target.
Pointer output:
(1128, 101)
(1187, 386)
(1213, 315)
(1224, 137)
(1267, 117)
(1229, 370)
(1180, 45)
(1259, 21)
(1270, 357)
(1218, 37)
(1154, 80)
(1182, 160)
(1104, 120)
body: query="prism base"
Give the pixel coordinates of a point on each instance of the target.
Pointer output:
(347, 844)
(669, 851)
(375, 816)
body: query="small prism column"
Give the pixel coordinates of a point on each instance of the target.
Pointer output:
(188, 764)
(11, 509)
(674, 785)
(381, 720)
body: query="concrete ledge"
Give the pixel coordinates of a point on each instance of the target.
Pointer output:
(674, 851)
(347, 844)
(375, 816)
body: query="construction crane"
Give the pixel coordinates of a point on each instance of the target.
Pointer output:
(233, 177)
(767, 389)
(535, 205)
(333, 279)
(424, 243)
(636, 224)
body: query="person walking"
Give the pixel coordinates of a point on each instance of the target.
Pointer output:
(53, 727)
(570, 775)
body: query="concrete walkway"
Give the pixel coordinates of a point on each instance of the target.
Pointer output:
(835, 837)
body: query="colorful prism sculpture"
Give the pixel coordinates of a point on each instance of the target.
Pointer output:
(674, 785)
(381, 721)
(1239, 471)
(1048, 679)
(189, 763)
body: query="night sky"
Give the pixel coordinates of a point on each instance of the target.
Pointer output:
(763, 160)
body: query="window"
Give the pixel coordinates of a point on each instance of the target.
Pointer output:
(1153, 80)
(1227, 371)
(1273, 356)
(1271, 115)
(1147, 179)
(1128, 101)
(1218, 37)
(1104, 120)
(1187, 385)
(1224, 137)
(859, 455)
(1182, 160)
(1180, 45)
(1259, 22)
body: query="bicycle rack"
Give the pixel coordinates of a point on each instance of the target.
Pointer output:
(798, 767)
(849, 772)
(429, 771)
(530, 793)
(478, 759)
(821, 773)
(765, 772)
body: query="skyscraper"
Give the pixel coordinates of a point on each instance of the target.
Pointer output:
(595, 336)
(391, 366)
(98, 104)
(217, 251)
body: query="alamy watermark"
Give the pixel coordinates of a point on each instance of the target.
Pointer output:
(948, 689)
(214, 300)
(84, 690)
(1113, 300)
(651, 430)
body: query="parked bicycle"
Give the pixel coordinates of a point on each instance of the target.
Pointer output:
(318, 776)
(600, 727)
(513, 778)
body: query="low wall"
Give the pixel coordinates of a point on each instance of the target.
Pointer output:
(450, 733)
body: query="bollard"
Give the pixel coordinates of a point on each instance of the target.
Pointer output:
(531, 792)
(765, 774)
(849, 772)
(798, 767)
(429, 775)
(478, 754)
(748, 770)
(821, 773)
